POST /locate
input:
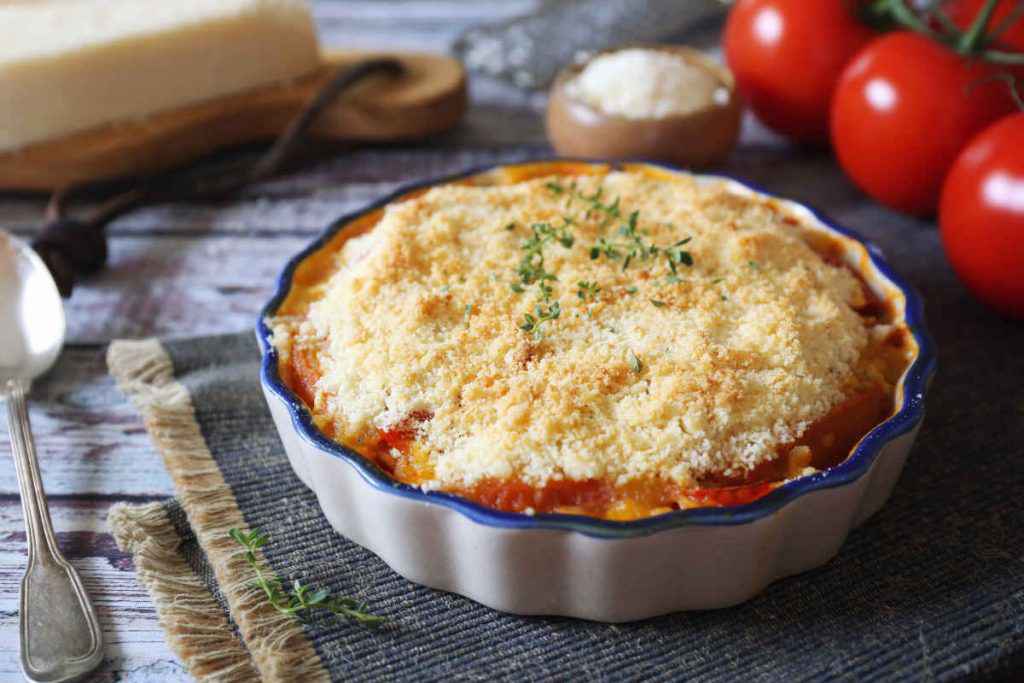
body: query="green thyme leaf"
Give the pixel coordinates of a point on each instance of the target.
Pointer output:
(657, 303)
(300, 600)
(543, 314)
(587, 290)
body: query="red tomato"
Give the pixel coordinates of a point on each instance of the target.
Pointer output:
(904, 108)
(963, 12)
(982, 216)
(787, 56)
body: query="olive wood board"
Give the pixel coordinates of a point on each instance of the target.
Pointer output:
(429, 98)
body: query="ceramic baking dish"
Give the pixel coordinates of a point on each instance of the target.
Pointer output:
(592, 568)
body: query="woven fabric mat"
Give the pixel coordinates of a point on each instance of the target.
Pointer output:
(931, 588)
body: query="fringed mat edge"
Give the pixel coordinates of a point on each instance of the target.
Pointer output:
(278, 644)
(194, 624)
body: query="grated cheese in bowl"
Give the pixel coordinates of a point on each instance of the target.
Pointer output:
(640, 83)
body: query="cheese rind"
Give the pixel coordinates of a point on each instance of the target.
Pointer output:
(70, 66)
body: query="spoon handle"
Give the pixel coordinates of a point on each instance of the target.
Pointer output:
(60, 634)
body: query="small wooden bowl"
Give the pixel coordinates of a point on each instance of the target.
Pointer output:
(696, 139)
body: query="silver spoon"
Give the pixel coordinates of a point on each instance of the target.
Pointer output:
(60, 635)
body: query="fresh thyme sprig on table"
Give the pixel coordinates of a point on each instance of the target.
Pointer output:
(300, 600)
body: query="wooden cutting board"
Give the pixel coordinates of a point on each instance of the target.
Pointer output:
(429, 98)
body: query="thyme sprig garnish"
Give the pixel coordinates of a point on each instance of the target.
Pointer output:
(634, 245)
(587, 291)
(300, 600)
(532, 270)
(543, 314)
(531, 267)
(676, 255)
(629, 244)
(595, 206)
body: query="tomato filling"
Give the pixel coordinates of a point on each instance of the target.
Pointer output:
(825, 444)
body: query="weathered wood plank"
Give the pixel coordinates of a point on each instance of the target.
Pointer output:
(91, 442)
(179, 287)
(135, 647)
(425, 24)
(302, 203)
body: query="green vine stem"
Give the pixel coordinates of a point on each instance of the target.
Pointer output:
(976, 33)
(975, 42)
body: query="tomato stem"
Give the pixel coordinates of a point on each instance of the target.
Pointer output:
(975, 41)
(948, 26)
(1000, 57)
(899, 11)
(1015, 14)
(1008, 79)
(975, 34)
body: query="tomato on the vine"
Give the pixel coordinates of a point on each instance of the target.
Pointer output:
(963, 13)
(787, 56)
(902, 111)
(982, 216)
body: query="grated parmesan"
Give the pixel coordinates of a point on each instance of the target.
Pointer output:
(641, 84)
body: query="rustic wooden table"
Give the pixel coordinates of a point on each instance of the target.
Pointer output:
(207, 268)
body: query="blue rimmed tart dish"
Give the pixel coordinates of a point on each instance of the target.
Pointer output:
(593, 390)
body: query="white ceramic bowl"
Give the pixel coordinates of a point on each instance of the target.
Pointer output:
(597, 569)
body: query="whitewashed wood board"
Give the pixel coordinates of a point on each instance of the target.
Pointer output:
(135, 649)
(91, 442)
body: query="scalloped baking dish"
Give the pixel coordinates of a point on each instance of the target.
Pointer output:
(590, 568)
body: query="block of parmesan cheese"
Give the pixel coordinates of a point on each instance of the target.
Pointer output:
(70, 65)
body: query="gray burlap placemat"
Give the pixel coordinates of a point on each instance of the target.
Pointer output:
(930, 588)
